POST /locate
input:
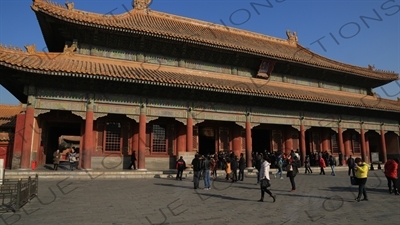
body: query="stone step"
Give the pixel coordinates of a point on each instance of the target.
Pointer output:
(125, 174)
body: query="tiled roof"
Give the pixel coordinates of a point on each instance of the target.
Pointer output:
(8, 114)
(163, 25)
(59, 64)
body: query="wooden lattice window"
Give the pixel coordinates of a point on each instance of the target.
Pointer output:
(355, 143)
(316, 144)
(334, 143)
(113, 136)
(159, 142)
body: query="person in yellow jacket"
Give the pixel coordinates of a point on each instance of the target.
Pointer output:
(362, 169)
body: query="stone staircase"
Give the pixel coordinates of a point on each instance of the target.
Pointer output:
(123, 174)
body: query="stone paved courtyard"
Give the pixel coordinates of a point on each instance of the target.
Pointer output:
(318, 200)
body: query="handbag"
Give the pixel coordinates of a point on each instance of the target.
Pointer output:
(353, 180)
(265, 183)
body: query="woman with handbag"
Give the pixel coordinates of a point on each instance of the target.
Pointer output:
(361, 169)
(292, 170)
(264, 182)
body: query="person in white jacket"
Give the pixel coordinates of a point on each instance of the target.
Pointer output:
(264, 178)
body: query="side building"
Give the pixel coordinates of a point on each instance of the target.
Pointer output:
(166, 86)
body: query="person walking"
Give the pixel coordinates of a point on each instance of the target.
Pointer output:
(322, 165)
(196, 164)
(242, 166)
(258, 167)
(307, 165)
(206, 172)
(56, 159)
(180, 166)
(133, 160)
(265, 180)
(332, 164)
(350, 163)
(361, 169)
(292, 170)
(279, 164)
(72, 159)
(391, 167)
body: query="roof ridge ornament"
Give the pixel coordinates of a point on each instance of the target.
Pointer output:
(292, 38)
(31, 49)
(69, 50)
(69, 5)
(141, 4)
(371, 67)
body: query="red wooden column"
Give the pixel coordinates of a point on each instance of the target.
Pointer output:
(383, 141)
(88, 139)
(288, 140)
(189, 132)
(249, 146)
(348, 144)
(181, 138)
(237, 145)
(142, 139)
(302, 143)
(363, 149)
(28, 134)
(341, 145)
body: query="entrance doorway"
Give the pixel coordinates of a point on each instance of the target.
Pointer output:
(261, 140)
(57, 130)
(206, 140)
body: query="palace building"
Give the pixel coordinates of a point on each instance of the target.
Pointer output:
(165, 86)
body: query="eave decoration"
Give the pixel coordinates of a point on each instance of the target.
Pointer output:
(141, 4)
(266, 68)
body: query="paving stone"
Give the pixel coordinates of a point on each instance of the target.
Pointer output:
(318, 199)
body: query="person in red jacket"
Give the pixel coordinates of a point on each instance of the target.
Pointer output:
(322, 165)
(391, 167)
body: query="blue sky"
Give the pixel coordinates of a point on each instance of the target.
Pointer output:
(344, 32)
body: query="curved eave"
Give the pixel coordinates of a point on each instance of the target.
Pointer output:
(211, 87)
(383, 76)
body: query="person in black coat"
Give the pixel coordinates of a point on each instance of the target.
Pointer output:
(242, 166)
(180, 166)
(234, 167)
(196, 163)
(133, 161)
(292, 170)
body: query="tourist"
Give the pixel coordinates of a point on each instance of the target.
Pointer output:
(332, 164)
(234, 168)
(228, 170)
(206, 172)
(196, 165)
(322, 165)
(56, 159)
(265, 180)
(350, 163)
(214, 166)
(362, 169)
(180, 166)
(258, 166)
(72, 159)
(390, 170)
(279, 164)
(133, 161)
(307, 165)
(292, 170)
(242, 166)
